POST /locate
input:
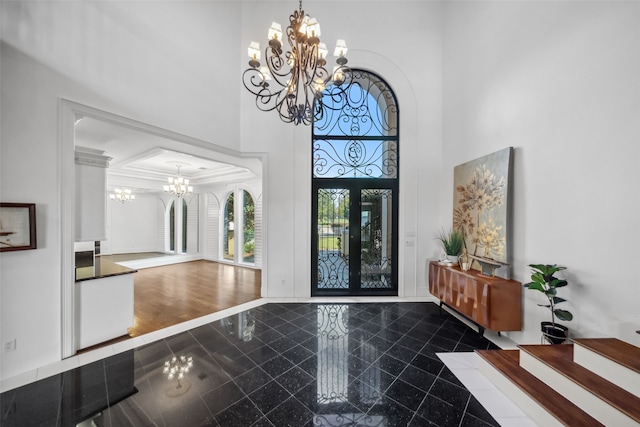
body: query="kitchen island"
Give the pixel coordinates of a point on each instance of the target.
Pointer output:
(104, 302)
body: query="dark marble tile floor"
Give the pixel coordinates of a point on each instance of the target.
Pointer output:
(357, 364)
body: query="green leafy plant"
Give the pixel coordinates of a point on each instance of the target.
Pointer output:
(249, 247)
(452, 241)
(543, 279)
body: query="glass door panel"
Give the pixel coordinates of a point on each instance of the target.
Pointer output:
(354, 245)
(332, 238)
(376, 239)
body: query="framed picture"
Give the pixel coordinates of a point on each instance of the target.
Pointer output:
(17, 226)
(481, 209)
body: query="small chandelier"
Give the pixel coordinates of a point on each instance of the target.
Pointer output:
(178, 186)
(299, 76)
(122, 195)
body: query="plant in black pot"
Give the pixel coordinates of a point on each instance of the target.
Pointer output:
(543, 279)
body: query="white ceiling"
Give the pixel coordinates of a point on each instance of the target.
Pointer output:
(142, 161)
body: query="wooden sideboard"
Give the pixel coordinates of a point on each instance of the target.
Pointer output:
(490, 302)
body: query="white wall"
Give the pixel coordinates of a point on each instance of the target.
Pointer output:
(133, 226)
(560, 82)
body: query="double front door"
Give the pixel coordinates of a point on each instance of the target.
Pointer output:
(354, 246)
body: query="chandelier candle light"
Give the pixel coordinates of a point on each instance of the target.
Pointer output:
(122, 195)
(178, 186)
(299, 75)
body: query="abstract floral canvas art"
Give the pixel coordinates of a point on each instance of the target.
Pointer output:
(481, 205)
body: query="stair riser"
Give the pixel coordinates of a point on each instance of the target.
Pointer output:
(581, 397)
(529, 406)
(620, 375)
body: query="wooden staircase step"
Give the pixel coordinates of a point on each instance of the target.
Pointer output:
(556, 409)
(611, 358)
(614, 349)
(602, 399)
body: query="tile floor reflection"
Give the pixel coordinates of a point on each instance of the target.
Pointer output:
(293, 364)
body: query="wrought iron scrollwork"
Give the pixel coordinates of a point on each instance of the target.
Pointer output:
(333, 260)
(356, 130)
(363, 105)
(355, 159)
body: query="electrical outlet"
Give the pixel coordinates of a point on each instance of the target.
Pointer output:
(10, 345)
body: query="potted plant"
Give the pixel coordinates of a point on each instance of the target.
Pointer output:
(452, 242)
(543, 279)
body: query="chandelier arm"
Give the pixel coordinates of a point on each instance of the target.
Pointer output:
(279, 75)
(275, 60)
(285, 109)
(269, 101)
(253, 80)
(310, 57)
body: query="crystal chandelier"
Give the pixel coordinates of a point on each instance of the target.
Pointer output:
(122, 195)
(178, 186)
(298, 76)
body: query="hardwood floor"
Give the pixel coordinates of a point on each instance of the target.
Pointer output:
(171, 294)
